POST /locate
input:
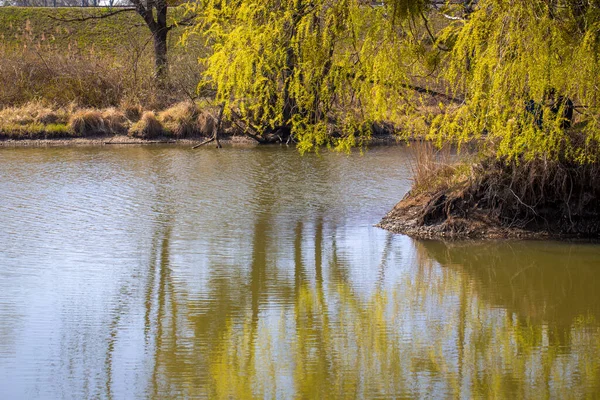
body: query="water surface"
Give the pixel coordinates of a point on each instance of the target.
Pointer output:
(159, 272)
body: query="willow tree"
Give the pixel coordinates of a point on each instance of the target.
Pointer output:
(325, 70)
(521, 66)
(511, 53)
(310, 65)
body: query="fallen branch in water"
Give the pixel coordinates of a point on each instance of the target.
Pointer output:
(145, 142)
(212, 139)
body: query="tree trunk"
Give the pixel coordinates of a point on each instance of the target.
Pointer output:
(160, 53)
(160, 41)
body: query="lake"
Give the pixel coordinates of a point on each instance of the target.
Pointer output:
(163, 272)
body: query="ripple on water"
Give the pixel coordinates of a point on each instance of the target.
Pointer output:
(156, 272)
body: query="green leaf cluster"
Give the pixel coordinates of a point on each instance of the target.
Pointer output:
(331, 69)
(511, 53)
(328, 69)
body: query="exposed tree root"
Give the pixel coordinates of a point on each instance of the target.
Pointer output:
(505, 199)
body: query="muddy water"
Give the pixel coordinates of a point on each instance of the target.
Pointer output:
(154, 272)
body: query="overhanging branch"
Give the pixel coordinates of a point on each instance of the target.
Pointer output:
(90, 17)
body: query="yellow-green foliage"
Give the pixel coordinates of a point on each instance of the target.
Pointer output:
(512, 51)
(330, 69)
(317, 66)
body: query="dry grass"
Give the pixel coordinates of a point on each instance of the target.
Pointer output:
(148, 127)
(132, 109)
(32, 121)
(65, 63)
(435, 169)
(36, 120)
(115, 121)
(90, 122)
(181, 120)
(87, 122)
(552, 195)
(478, 196)
(33, 112)
(206, 123)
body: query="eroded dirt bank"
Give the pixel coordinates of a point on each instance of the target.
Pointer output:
(498, 199)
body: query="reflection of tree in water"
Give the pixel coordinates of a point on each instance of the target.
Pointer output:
(539, 282)
(328, 342)
(545, 327)
(504, 329)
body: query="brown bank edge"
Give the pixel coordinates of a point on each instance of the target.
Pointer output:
(238, 139)
(406, 219)
(121, 140)
(496, 199)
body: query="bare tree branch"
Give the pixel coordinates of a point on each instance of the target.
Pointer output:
(89, 17)
(184, 22)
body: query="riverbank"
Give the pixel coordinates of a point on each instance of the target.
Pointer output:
(123, 140)
(120, 140)
(36, 124)
(493, 198)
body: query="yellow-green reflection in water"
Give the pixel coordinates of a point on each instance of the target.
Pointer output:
(257, 273)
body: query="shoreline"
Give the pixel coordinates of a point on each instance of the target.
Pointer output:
(119, 140)
(494, 199)
(125, 140)
(404, 219)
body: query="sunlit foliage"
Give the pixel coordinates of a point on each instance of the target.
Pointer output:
(330, 70)
(327, 69)
(510, 53)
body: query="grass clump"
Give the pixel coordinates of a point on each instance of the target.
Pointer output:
(33, 120)
(148, 127)
(87, 122)
(115, 121)
(181, 120)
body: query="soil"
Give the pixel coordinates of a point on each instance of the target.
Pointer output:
(526, 199)
(407, 218)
